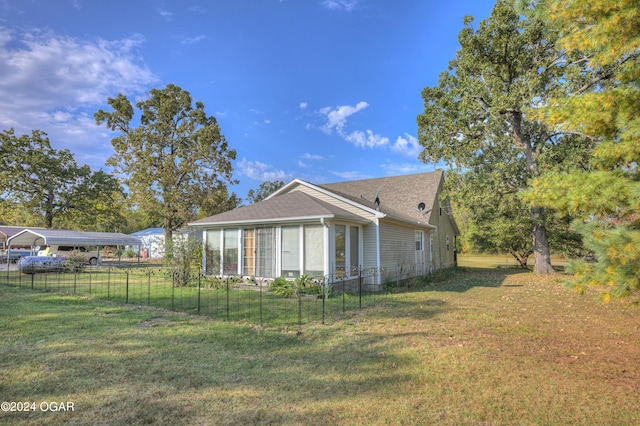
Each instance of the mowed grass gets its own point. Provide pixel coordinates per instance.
(487, 346)
(223, 300)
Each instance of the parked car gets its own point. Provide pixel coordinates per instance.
(37, 264)
(80, 253)
(13, 255)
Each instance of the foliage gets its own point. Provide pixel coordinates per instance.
(49, 189)
(475, 121)
(604, 102)
(283, 287)
(266, 188)
(303, 284)
(175, 162)
(186, 260)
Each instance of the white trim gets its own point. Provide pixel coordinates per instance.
(282, 220)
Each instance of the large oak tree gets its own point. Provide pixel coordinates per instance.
(175, 161)
(475, 120)
(43, 186)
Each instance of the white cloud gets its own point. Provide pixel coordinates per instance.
(337, 118)
(395, 168)
(303, 105)
(192, 40)
(407, 145)
(347, 5)
(366, 139)
(308, 156)
(55, 83)
(261, 171)
(351, 175)
(168, 16)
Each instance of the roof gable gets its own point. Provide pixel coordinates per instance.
(399, 196)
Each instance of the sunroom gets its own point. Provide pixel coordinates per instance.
(289, 235)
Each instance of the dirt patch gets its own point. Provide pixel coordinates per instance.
(152, 322)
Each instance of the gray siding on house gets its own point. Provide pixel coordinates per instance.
(443, 254)
(370, 246)
(397, 248)
(329, 199)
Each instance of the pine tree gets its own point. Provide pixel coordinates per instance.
(604, 36)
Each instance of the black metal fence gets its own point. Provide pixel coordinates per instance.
(231, 298)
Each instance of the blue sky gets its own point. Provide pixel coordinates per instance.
(321, 90)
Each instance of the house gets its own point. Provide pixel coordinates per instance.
(381, 228)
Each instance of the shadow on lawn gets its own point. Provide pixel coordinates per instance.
(466, 278)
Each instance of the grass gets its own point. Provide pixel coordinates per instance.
(152, 286)
(487, 346)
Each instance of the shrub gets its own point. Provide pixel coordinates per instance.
(283, 287)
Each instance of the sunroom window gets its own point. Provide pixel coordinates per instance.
(290, 251)
(230, 259)
(314, 250)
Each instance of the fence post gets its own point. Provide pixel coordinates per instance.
(227, 298)
(199, 278)
(173, 289)
(75, 278)
(126, 297)
(32, 275)
(299, 309)
(149, 288)
(109, 283)
(324, 295)
(344, 290)
(360, 287)
(261, 305)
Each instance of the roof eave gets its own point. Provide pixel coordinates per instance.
(294, 219)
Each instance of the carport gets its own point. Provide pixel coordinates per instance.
(7, 232)
(41, 237)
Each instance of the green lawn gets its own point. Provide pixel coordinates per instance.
(153, 286)
(486, 346)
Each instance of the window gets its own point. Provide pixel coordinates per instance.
(419, 242)
(447, 243)
(290, 251)
(347, 250)
(314, 250)
(265, 253)
(230, 259)
(249, 252)
(354, 250)
(212, 253)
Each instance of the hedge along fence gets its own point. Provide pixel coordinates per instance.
(232, 298)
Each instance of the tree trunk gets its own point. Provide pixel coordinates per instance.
(541, 252)
(168, 238)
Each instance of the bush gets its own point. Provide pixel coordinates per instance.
(283, 287)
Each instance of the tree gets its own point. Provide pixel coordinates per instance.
(264, 190)
(603, 102)
(173, 160)
(49, 184)
(475, 120)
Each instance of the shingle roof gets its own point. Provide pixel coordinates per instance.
(295, 205)
(399, 195)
